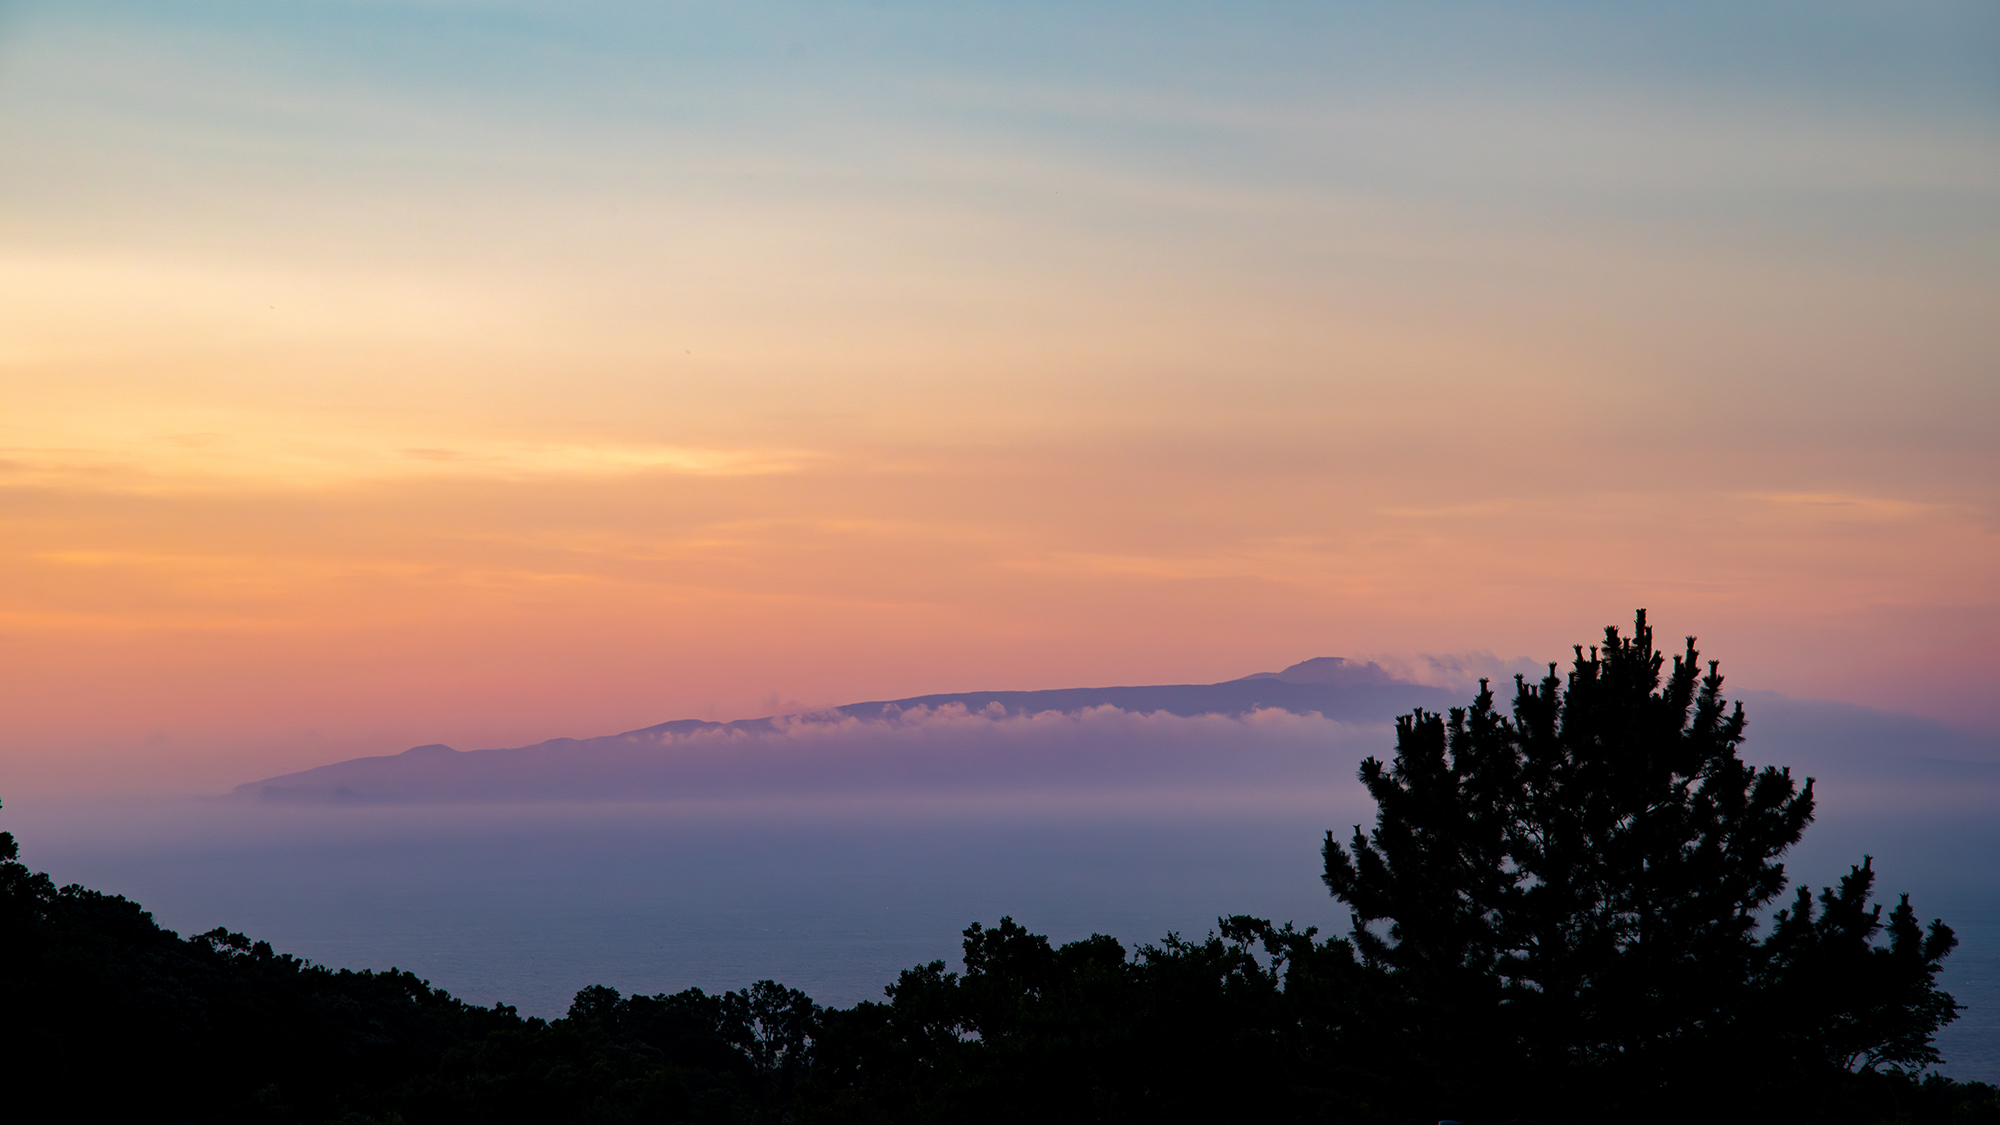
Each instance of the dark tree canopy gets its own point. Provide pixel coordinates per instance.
(1570, 896)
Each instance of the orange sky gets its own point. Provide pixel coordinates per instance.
(337, 417)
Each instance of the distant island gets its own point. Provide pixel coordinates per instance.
(694, 757)
(1075, 739)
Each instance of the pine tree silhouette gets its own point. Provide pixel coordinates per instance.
(1569, 897)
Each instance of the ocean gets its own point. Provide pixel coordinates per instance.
(528, 903)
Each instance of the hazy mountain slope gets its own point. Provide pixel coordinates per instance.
(1176, 734)
(1306, 727)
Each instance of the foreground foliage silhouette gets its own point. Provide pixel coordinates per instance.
(1556, 918)
(1572, 896)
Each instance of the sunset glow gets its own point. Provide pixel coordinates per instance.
(375, 374)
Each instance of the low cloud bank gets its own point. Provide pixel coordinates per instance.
(1304, 733)
(1870, 760)
(948, 749)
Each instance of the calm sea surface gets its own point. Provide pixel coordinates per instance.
(527, 904)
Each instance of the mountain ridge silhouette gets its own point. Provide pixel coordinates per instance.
(1207, 737)
(1330, 687)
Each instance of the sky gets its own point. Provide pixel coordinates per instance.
(378, 373)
